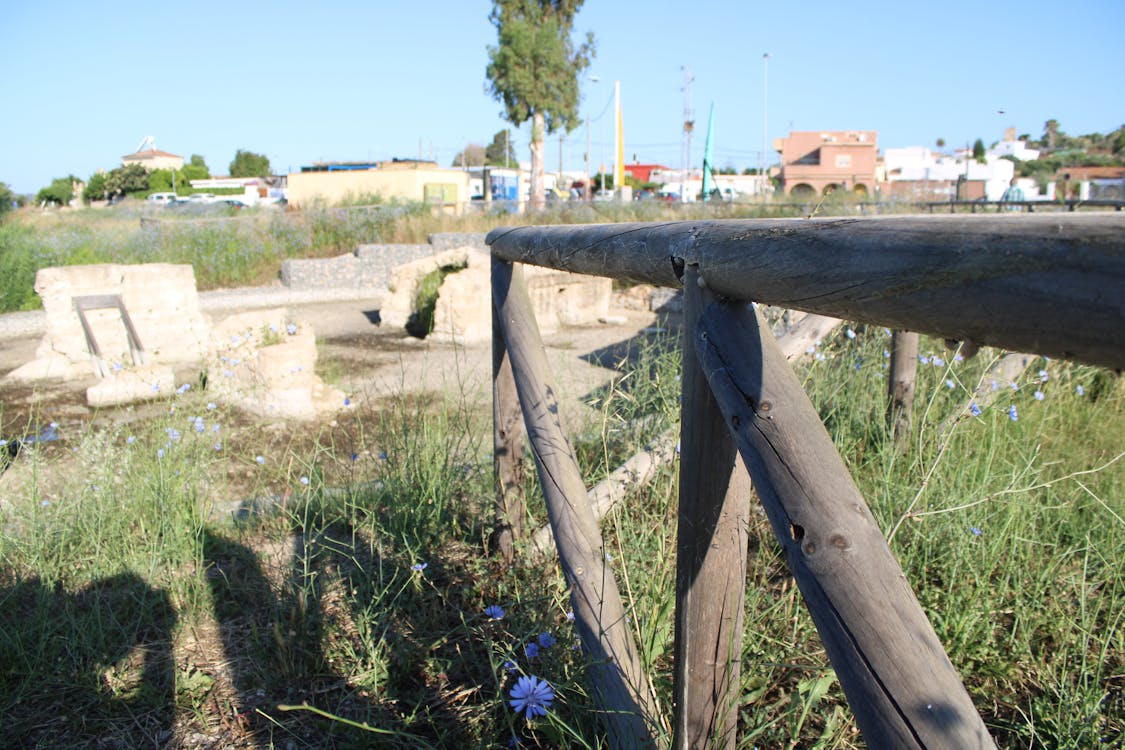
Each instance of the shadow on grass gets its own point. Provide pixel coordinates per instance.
(284, 639)
(90, 669)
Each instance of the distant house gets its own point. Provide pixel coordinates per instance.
(152, 159)
(819, 162)
(643, 172)
(405, 179)
(919, 174)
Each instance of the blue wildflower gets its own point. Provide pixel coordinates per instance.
(1039, 395)
(509, 666)
(291, 329)
(130, 440)
(546, 640)
(938, 362)
(495, 611)
(1043, 376)
(949, 383)
(160, 453)
(531, 650)
(259, 460)
(976, 531)
(850, 333)
(347, 402)
(1013, 414)
(211, 406)
(923, 359)
(974, 409)
(304, 480)
(183, 389)
(419, 567)
(1079, 390)
(532, 696)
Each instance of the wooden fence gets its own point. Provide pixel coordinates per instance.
(1054, 285)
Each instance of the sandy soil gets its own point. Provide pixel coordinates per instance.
(361, 358)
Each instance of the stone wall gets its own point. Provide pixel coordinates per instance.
(161, 301)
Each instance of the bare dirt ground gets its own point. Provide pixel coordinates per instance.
(360, 357)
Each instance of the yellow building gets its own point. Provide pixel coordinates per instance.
(152, 159)
(336, 182)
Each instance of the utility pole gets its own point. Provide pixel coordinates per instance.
(689, 125)
(765, 121)
(589, 193)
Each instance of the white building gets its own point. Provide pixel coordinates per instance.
(920, 164)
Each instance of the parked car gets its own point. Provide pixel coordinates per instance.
(161, 199)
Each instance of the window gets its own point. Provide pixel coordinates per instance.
(843, 160)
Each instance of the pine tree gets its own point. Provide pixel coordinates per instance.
(534, 69)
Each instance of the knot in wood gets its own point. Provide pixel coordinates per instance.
(765, 406)
(840, 542)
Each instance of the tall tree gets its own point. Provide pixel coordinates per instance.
(534, 70)
(978, 151)
(7, 198)
(1050, 132)
(471, 156)
(500, 153)
(249, 164)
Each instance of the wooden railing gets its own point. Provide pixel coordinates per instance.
(1054, 285)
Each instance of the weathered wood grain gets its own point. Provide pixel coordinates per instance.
(900, 385)
(712, 524)
(509, 439)
(1049, 284)
(622, 689)
(901, 686)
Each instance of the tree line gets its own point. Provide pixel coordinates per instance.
(134, 179)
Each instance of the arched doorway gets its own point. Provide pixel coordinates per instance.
(830, 188)
(802, 190)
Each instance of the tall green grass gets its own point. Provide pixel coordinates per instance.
(350, 609)
(230, 248)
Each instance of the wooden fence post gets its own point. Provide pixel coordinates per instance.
(509, 438)
(901, 686)
(620, 686)
(900, 385)
(710, 557)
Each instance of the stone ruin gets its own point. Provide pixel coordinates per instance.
(130, 326)
(463, 312)
(265, 364)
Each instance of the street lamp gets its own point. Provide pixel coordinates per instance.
(586, 188)
(765, 120)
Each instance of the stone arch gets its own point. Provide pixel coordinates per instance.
(802, 190)
(830, 188)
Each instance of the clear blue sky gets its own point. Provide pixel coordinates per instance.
(301, 82)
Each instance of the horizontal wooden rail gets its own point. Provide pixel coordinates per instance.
(1049, 284)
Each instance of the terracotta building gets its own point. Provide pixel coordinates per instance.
(818, 162)
(152, 159)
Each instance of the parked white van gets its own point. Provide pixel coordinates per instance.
(162, 199)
